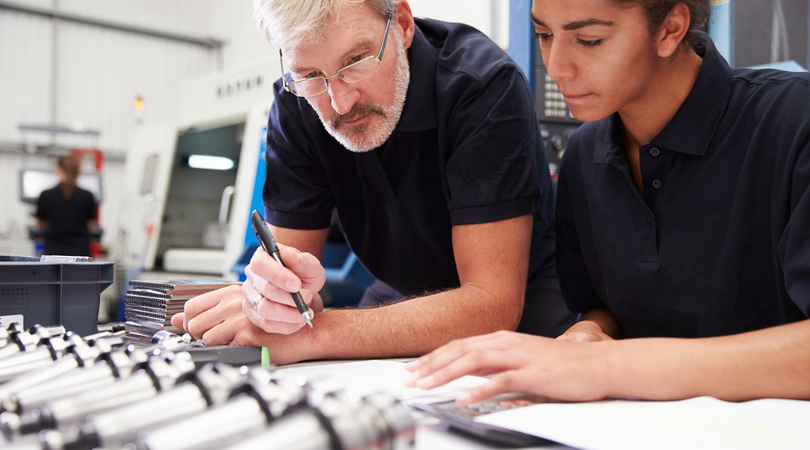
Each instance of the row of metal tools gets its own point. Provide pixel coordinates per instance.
(61, 391)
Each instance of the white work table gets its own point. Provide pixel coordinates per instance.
(624, 424)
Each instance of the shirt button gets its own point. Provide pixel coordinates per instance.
(654, 151)
(649, 219)
(657, 183)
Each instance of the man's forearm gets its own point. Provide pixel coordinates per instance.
(774, 362)
(409, 328)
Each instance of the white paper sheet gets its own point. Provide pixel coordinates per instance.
(364, 377)
(698, 423)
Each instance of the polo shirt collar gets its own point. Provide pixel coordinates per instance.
(419, 112)
(691, 129)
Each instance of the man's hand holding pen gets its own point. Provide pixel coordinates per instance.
(263, 304)
(275, 310)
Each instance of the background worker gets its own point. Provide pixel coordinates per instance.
(66, 212)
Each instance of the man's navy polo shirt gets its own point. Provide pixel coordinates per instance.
(466, 151)
(720, 241)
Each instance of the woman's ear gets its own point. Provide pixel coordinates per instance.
(672, 31)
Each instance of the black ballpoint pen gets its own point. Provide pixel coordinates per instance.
(269, 245)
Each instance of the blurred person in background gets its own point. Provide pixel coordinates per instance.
(66, 212)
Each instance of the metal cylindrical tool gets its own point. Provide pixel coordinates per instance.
(19, 342)
(109, 366)
(193, 394)
(113, 365)
(301, 430)
(49, 350)
(376, 422)
(81, 355)
(23, 341)
(262, 399)
(4, 335)
(145, 382)
(328, 420)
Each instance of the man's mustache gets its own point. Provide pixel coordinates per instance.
(356, 111)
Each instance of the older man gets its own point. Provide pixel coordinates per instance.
(423, 135)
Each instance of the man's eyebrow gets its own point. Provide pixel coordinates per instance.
(362, 43)
(296, 69)
(576, 25)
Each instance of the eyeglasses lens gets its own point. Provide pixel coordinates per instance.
(352, 73)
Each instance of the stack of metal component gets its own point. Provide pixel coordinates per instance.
(150, 305)
(97, 393)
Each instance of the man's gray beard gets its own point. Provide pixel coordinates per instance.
(361, 139)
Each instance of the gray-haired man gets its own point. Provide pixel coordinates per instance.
(423, 135)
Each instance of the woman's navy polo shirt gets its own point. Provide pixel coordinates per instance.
(720, 241)
(466, 150)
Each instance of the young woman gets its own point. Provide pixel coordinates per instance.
(683, 217)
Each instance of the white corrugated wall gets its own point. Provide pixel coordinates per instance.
(98, 71)
(92, 80)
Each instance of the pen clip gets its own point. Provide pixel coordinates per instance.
(259, 238)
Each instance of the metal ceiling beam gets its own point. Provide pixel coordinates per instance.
(58, 129)
(56, 14)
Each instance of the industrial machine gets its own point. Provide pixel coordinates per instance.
(193, 219)
(193, 182)
(557, 123)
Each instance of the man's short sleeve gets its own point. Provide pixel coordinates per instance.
(296, 190)
(794, 243)
(492, 173)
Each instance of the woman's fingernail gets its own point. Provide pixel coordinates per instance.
(412, 365)
(411, 379)
(292, 286)
(464, 398)
(425, 383)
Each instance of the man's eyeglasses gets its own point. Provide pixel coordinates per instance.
(354, 72)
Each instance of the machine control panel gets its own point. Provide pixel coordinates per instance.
(557, 124)
(554, 105)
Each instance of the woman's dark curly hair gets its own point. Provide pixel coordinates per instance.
(657, 10)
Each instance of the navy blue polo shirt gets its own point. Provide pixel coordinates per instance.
(67, 220)
(466, 151)
(720, 241)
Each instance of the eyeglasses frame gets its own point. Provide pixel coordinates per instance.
(378, 57)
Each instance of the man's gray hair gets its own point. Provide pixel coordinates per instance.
(287, 23)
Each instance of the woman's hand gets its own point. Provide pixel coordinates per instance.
(518, 363)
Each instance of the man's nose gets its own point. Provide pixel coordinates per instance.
(343, 95)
